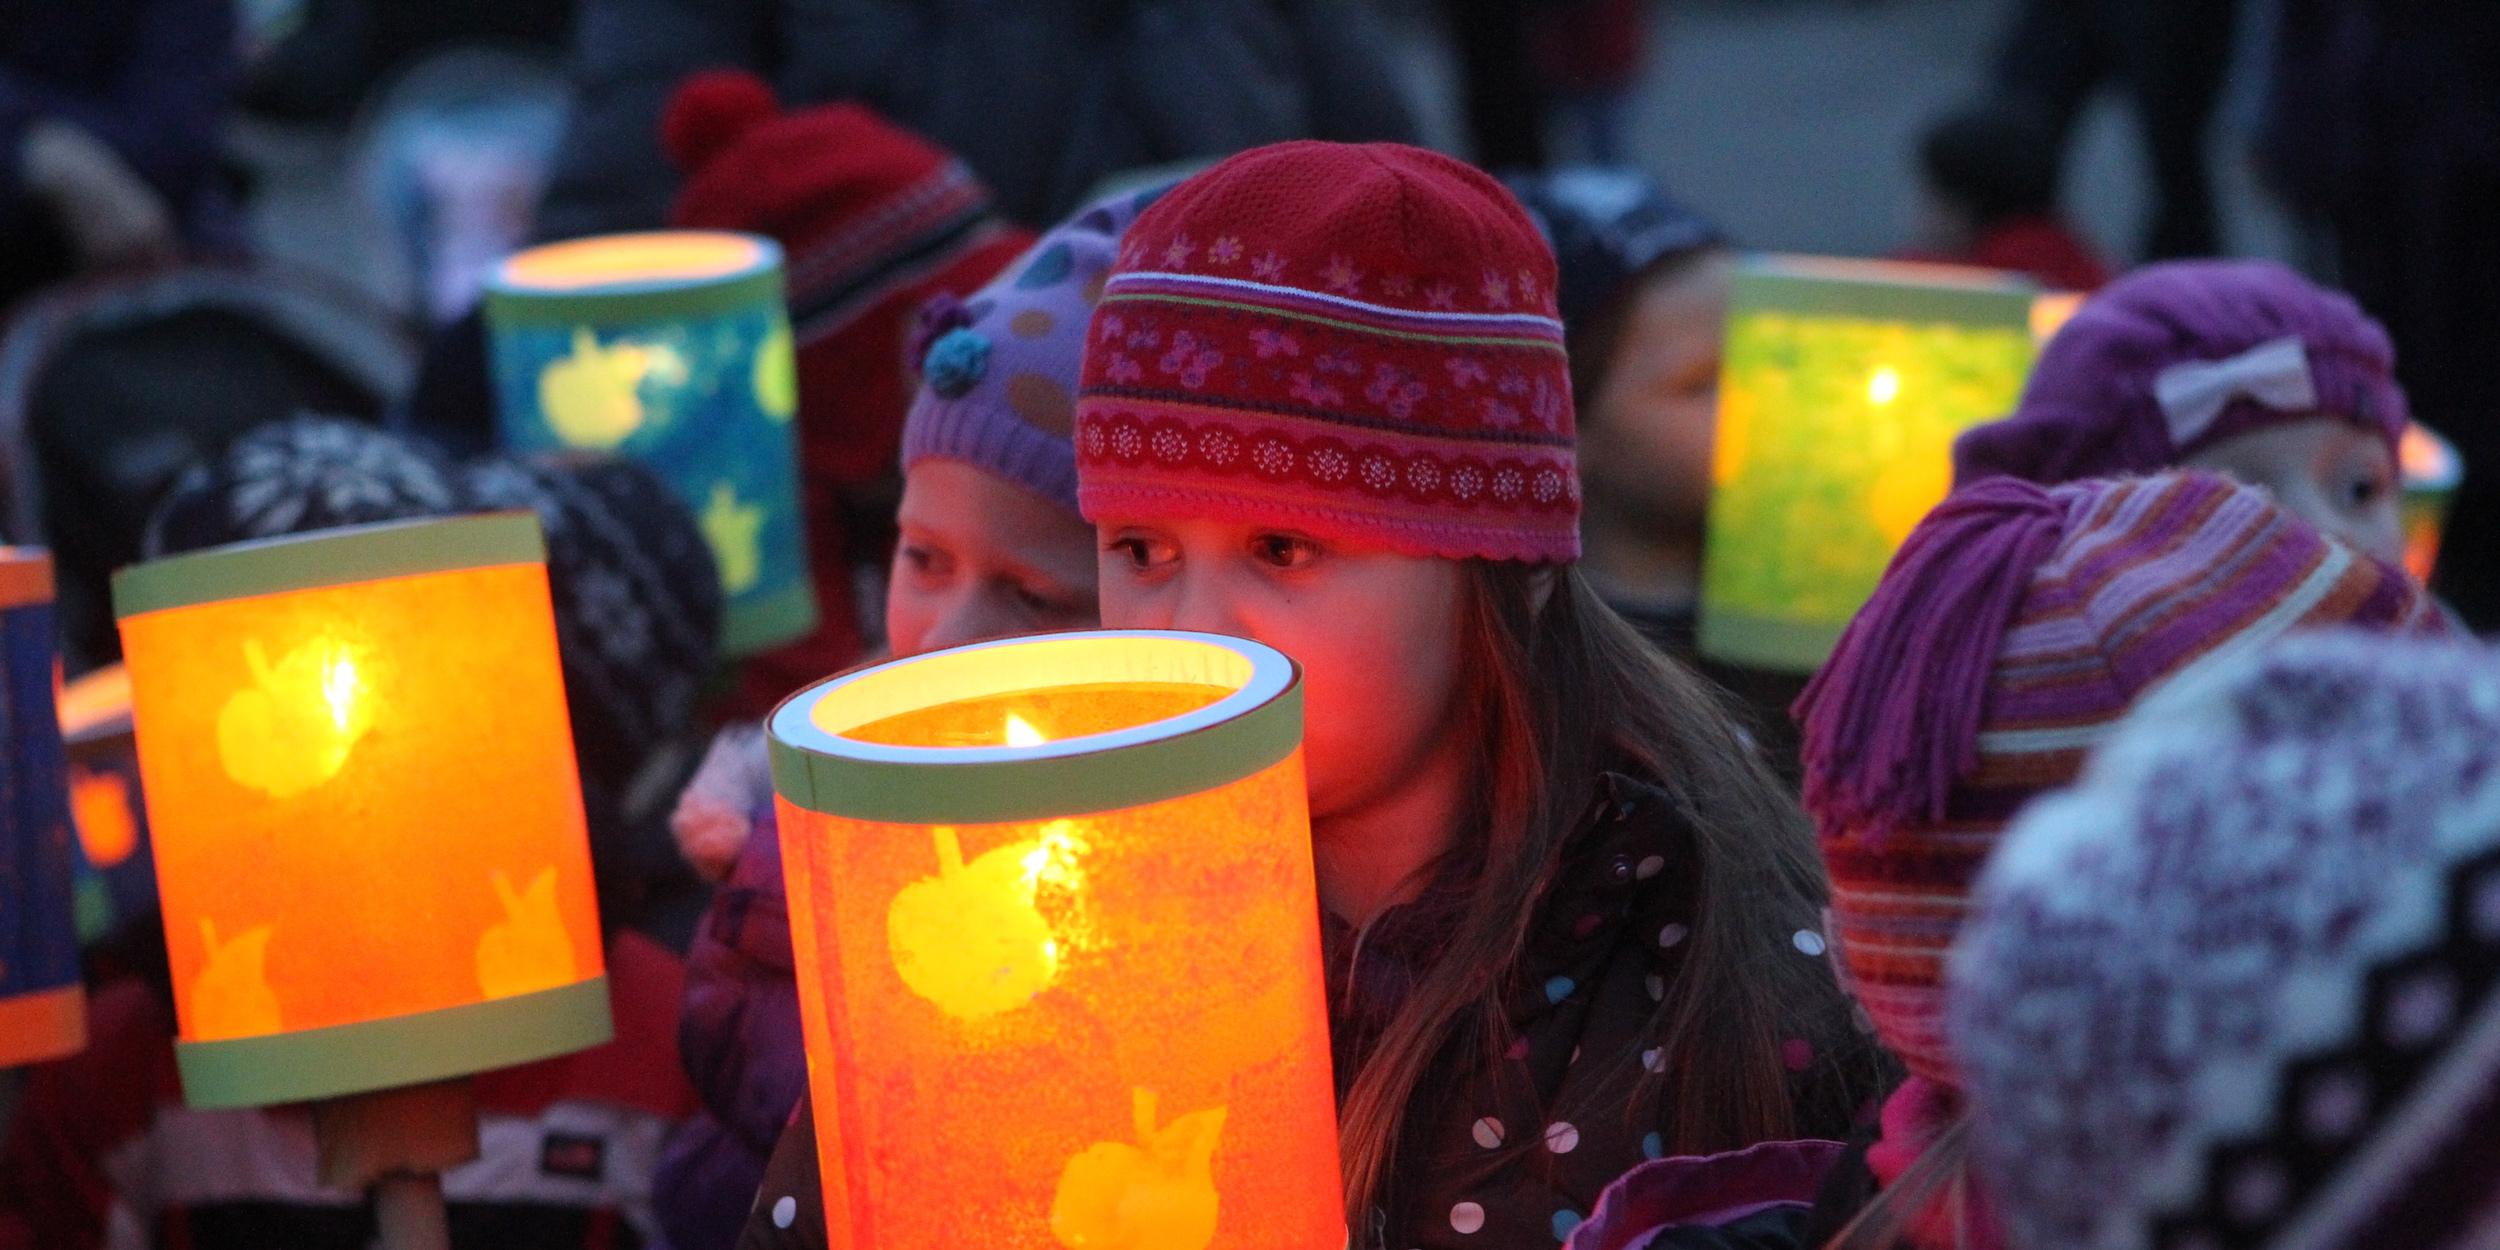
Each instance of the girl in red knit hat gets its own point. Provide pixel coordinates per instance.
(1571, 921)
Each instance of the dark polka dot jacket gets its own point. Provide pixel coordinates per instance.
(1489, 1164)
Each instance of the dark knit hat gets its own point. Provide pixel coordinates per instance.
(307, 472)
(2241, 986)
(1608, 225)
(637, 603)
(2176, 357)
(2015, 627)
(1362, 339)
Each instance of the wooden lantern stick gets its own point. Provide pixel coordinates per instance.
(396, 1143)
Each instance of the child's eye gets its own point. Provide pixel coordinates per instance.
(919, 560)
(1284, 551)
(1143, 554)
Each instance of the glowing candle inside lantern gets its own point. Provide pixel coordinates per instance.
(1011, 867)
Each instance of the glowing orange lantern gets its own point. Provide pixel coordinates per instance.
(366, 823)
(1058, 947)
(43, 1008)
(2431, 471)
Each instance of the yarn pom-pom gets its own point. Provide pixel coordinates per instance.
(956, 362)
(709, 111)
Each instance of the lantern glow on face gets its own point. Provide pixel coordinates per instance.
(362, 801)
(1069, 875)
(1844, 386)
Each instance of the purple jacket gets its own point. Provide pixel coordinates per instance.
(739, 1036)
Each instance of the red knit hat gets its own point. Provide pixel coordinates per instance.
(875, 222)
(1360, 340)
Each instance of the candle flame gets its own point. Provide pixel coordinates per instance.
(1021, 733)
(1885, 386)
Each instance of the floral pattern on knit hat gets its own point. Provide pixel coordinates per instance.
(2016, 625)
(2241, 985)
(1360, 339)
(2176, 357)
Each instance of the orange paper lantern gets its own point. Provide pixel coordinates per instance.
(367, 826)
(1058, 947)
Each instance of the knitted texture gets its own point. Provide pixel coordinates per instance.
(2241, 986)
(2092, 409)
(999, 373)
(2016, 625)
(874, 222)
(1357, 341)
(307, 472)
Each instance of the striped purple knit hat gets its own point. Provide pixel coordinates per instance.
(2176, 357)
(2241, 986)
(2013, 628)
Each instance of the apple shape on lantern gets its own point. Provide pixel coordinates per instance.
(776, 375)
(293, 727)
(528, 949)
(592, 397)
(230, 996)
(1158, 1194)
(970, 939)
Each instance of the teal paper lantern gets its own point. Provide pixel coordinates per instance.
(43, 1008)
(672, 348)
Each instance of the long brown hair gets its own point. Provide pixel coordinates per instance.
(1559, 690)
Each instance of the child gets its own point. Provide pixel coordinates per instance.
(1567, 915)
(2293, 869)
(2240, 367)
(1988, 196)
(875, 221)
(991, 545)
(1643, 296)
(2014, 627)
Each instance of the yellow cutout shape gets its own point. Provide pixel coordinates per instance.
(777, 375)
(1907, 491)
(592, 397)
(731, 528)
(1158, 1194)
(528, 950)
(293, 727)
(971, 939)
(231, 996)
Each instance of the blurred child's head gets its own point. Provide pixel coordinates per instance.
(1644, 289)
(2015, 627)
(2238, 985)
(2241, 367)
(1326, 405)
(991, 540)
(1980, 166)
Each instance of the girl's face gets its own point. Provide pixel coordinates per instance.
(2325, 470)
(980, 557)
(1376, 634)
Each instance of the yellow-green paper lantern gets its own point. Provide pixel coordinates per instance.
(1844, 386)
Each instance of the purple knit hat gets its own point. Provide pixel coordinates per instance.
(2241, 987)
(2016, 625)
(998, 372)
(2176, 357)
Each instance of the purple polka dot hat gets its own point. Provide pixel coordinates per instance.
(998, 371)
(2241, 986)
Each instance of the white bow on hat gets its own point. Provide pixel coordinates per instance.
(2274, 373)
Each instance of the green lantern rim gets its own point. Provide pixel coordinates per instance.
(513, 301)
(398, 1050)
(1255, 725)
(339, 557)
(1882, 290)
